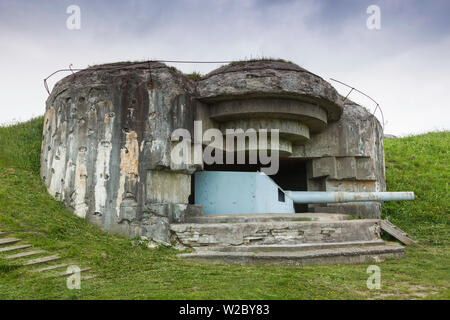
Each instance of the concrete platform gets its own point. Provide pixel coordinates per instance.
(351, 255)
(24, 254)
(13, 248)
(243, 218)
(8, 241)
(270, 233)
(300, 239)
(290, 247)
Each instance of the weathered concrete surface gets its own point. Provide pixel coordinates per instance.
(347, 156)
(196, 235)
(357, 134)
(105, 130)
(291, 247)
(269, 95)
(351, 255)
(9, 241)
(13, 248)
(274, 108)
(238, 218)
(291, 130)
(254, 79)
(24, 254)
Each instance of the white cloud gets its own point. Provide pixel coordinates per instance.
(405, 73)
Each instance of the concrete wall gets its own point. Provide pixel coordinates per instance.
(106, 141)
(347, 156)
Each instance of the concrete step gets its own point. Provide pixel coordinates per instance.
(290, 247)
(24, 254)
(42, 260)
(12, 248)
(9, 241)
(243, 218)
(54, 267)
(65, 273)
(271, 233)
(347, 255)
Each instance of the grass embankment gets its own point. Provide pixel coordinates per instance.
(125, 271)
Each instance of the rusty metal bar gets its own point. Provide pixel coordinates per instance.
(377, 106)
(337, 197)
(126, 66)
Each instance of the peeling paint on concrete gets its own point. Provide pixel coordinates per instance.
(129, 166)
(102, 166)
(103, 131)
(81, 183)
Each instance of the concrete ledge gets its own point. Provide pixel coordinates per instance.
(292, 130)
(243, 218)
(293, 247)
(283, 109)
(269, 79)
(352, 255)
(232, 234)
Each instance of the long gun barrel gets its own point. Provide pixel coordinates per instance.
(336, 197)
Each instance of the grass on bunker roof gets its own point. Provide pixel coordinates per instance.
(127, 271)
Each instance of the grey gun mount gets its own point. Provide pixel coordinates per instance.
(337, 197)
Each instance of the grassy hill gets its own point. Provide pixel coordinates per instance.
(127, 270)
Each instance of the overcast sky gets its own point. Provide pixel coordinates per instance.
(405, 65)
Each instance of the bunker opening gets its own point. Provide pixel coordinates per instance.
(291, 175)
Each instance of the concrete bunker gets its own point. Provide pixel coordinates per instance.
(106, 150)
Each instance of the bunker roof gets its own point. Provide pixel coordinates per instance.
(269, 79)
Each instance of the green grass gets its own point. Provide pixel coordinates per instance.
(261, 58)
(127, 271)
(420, 164)
(194, 75)
(21, 145)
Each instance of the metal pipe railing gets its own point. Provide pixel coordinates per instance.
(337, 197)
